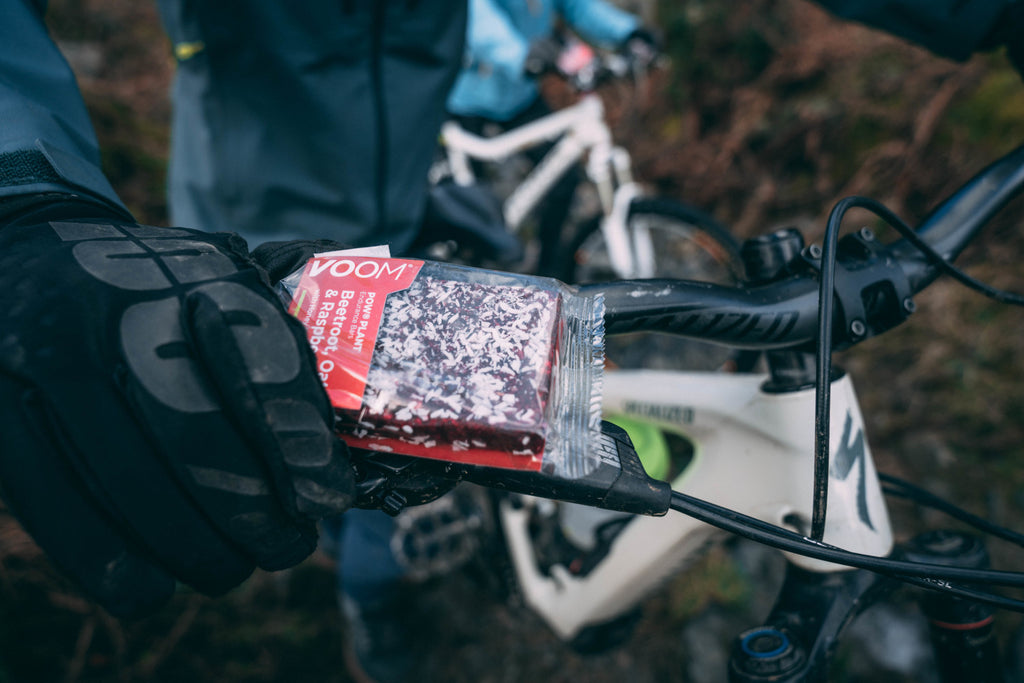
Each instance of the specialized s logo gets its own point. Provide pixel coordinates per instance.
(849, 454)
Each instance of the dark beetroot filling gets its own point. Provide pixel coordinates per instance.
(460, 365)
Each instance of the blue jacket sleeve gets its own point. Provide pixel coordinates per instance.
(598, 22)
(492, 40)
(951, 28)
(47, 143)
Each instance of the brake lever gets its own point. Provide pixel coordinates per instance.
(391, 482)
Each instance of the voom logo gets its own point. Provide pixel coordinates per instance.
(363, 268)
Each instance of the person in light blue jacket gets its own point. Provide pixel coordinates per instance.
(498, 79)
(509, 46)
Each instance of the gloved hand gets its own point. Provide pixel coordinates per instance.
(161, 416)
(542, 57)
(641, 49)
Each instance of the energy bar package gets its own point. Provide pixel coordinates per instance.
(459, 364)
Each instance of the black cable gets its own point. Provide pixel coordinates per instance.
(934, 257)
(826, 303)
(994, 599)
(930, 576)
(899, 487)
(790, 541)
(823, 371)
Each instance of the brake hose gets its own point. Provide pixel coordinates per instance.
(824, 338)
(907, 571)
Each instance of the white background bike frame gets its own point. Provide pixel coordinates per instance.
(736, 427)
(581, 131)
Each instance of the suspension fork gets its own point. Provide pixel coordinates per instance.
(796, 641)
(630, 252)
(962, 632)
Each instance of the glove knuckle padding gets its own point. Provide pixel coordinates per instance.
(192, 415)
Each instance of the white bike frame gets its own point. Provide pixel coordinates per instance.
(753, 454)
(581, 131)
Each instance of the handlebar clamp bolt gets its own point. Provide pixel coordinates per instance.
(857, 328)
(867, 235)
(908, 305)
(813, 252)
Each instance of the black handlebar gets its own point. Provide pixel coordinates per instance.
(873, 283)
(769, 317)
(951, 226)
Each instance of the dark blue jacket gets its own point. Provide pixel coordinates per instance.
(309, 118)
(46, 140)
(293, 118)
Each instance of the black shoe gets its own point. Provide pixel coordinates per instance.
(380, 646)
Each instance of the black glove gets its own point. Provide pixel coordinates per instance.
(641, 49)
(542, 57)
(161, 416)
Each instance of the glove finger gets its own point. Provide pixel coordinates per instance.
(281, 259)
(287, 409)
(257, 355)
(208, 457)
(51, 504)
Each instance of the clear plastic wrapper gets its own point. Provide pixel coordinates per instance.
(454, 363)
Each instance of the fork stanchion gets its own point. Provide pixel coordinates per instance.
(962, 632)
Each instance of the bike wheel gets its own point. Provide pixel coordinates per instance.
(686, 244)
